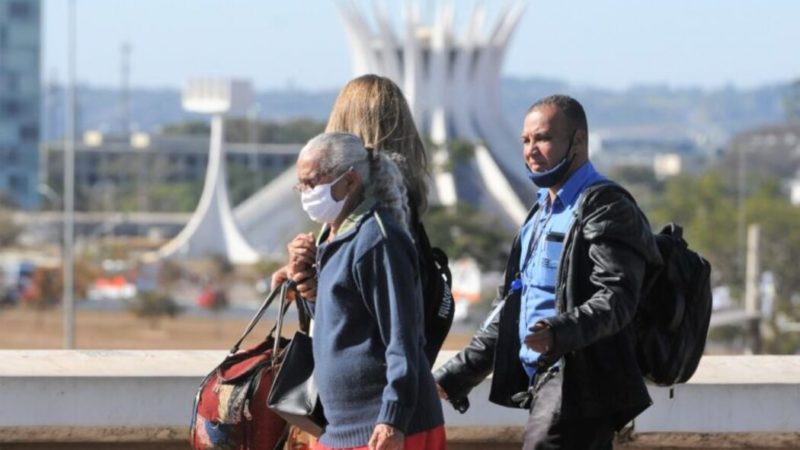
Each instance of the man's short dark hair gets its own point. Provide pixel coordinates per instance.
(570, 107)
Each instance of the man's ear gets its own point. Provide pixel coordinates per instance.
(581, 139)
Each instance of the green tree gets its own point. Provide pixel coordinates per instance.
(465, 230)
(461, 152)
(153, 306)
(190, 128)
(779, 251)
(244, 130)
(243, 181)
(164, 197)
(706, 207)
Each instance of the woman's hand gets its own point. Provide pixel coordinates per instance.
(306, 281)
(302, 252)
(386, 437)
(280, 276)
(302, 258)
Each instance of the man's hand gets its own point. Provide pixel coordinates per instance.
(541, 340)
(386, 437)
(441, 392)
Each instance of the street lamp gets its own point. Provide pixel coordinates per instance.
(69, 189)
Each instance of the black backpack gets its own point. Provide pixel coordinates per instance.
(437, 298)
(674, 312)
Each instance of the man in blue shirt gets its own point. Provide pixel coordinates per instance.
(556, 153)
(543, 237)
(558, 339)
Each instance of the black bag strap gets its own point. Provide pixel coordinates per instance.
(304, 313)
(279, 323)
(254, 321)
(283, 290)
(302, 317)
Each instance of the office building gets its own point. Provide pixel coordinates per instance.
(20, 46)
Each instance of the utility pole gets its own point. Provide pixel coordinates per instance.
(68, 254)
(125, 78)
(741, 232)
(752, 300)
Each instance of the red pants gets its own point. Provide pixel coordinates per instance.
(434, 439)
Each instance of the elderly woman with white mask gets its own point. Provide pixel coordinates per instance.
(373, 378)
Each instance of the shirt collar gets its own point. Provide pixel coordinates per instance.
(571, 189)
(352, 219)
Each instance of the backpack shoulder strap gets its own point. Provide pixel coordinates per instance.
(438, 255)
(594, 189)
(421, 235)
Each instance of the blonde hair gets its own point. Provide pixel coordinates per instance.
(374, 109)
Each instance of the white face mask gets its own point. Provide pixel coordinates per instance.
(319, 203)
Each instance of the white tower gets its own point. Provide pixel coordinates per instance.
(452, 84)
(212, 229)
(453, 87)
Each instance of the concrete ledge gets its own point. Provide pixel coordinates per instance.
(143, 399)
(729, 394)
(108, 363)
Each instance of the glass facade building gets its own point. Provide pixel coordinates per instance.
(20, 47)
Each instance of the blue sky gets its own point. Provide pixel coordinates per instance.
(275, 43)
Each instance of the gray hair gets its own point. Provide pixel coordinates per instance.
(379, 170)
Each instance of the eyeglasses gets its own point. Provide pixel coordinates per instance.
(306, 186)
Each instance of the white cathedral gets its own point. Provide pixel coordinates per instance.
(452, 83)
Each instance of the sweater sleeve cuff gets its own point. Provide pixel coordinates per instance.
(396, 415)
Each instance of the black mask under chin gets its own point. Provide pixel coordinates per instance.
(551, 177)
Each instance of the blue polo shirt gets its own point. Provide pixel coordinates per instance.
(542, 239)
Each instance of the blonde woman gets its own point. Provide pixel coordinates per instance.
(374, 109)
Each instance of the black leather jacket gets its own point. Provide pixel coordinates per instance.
(606, 253)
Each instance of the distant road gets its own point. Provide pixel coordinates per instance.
(46, 225)
(88, 218)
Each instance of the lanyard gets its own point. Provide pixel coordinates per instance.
(536, 235)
